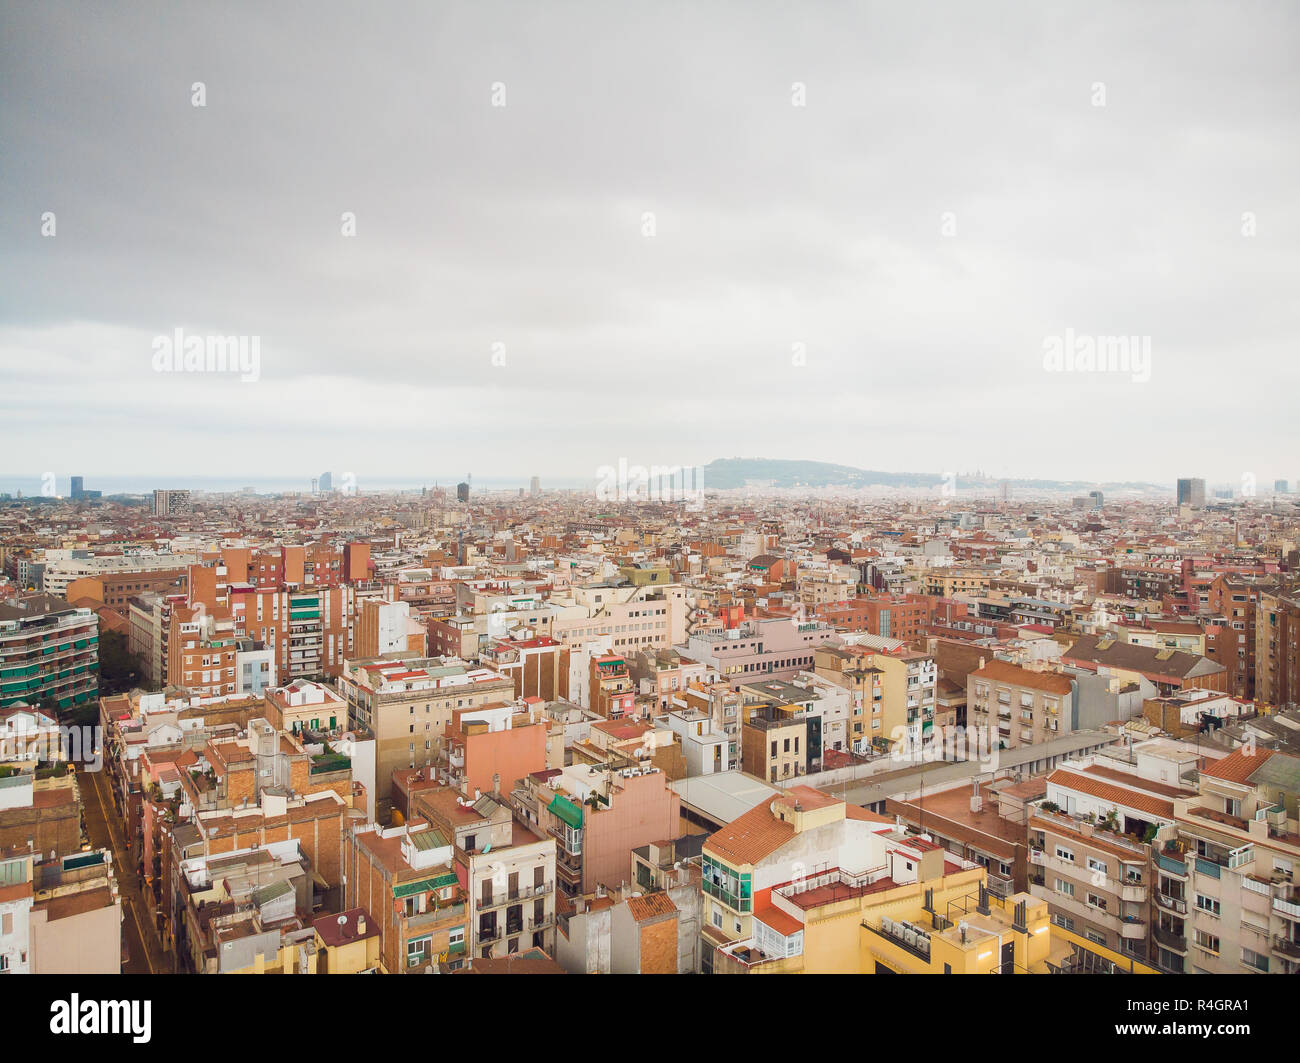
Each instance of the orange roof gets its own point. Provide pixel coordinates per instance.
(1238, 766)
(1006, 672)
(650, 906)
(808, 798)
(1120, 795)
(854, 812)
(783, 924)
(750, 838)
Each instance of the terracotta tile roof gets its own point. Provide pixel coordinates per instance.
(1006, 672)
(854, 812)
(1136, 781)
(750, 838)
(1238, 766)
(1120, 795)
(651, 906)
(783, 924)
(808, 798)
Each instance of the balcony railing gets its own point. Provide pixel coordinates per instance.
(1287, 947)
(1168, 939)
(1172, 864)
(1173, 904)
(1286, 909)
(1207, 867)
(519, 893)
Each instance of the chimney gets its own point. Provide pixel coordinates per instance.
(361, 924)
(496, 783)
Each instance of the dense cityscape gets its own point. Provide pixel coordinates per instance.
(731, 732)
(670, 489)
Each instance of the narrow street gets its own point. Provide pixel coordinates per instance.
(144, 949)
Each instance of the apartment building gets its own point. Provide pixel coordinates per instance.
(407, 875)
(1188, 712)
(633, 617)
(1089, 847)
(121, 575)
(629, 931)
(867, 725)
(539, 668)
(1228, 897)
(660, 673)
(983, 822)
(60, 916)
(116, 589)
(349, 943)
(247, 912)
(1169, 670)
(303, 706)
(507, 869)
(948, 582)
(493, 745)
(722, 705)
(149, 634)
(406, 702)
(704, 747)
(598, 815)
(610, 687)
(774, 744)
(1237, 598)
(49, 652)
(898, 616)
(388, 627)
(1277, 649)
(777, 648)
(1017, 706)
(805, 883)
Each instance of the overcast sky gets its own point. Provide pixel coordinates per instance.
(961, 183)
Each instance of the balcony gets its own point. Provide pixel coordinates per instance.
(1287, 947)
(1133, 929)
(488, 934)
(1286, 909)
(519, 893)
(1134, 892)
(1208, 867)
(1168, 939)
(451, 913)
(1170, 904)
(1000, 885)
(1172, 865)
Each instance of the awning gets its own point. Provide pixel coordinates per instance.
(566, 810)
(425, 885)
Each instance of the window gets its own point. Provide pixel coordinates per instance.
(1208, 905)
(1064, 887)
(1065, 854)
(1097, 901)
(1255, 959)
(1094, 936)
(1207, 941)
(417, 952)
